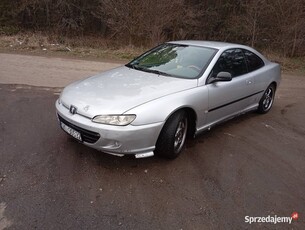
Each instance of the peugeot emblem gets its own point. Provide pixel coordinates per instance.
(73, 109)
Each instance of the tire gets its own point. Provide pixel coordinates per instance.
(173, 135)
(267, 100)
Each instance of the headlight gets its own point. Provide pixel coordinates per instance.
(114, 119)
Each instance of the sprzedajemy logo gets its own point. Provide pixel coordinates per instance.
(271, 219)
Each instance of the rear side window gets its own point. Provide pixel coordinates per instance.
(254, 62)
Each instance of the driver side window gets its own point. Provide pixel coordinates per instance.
(232, 61)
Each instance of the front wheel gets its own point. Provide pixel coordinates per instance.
(267, 99)
(172, 137)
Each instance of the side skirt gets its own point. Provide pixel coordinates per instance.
(207, 127)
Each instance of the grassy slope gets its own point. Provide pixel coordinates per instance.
(98, 49)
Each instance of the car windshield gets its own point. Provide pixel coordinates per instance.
(182, 61)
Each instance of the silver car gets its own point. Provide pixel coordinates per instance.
(173, 91)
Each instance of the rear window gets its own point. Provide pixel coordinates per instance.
(254, 62)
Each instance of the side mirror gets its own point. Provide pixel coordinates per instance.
(222, 76)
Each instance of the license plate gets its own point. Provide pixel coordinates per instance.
(71, 131)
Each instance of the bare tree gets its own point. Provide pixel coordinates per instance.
(136, 21)
(285, 23)
(275, 24)
(253, 9)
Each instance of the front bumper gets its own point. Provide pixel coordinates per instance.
(117, 140)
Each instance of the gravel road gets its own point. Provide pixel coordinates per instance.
(253, 165)
(47, 71)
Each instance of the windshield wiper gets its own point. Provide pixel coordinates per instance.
(137, 67)
(157, 72)
(130, 65)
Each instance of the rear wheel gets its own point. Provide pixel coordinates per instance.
(172, 137)
(266, 101)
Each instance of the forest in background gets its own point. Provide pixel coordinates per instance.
(269, 25)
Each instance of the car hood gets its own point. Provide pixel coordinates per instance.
(119, 90)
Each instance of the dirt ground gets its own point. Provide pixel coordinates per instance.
(47, 71)
(253, 165)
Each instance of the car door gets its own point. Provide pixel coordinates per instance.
(227, 98)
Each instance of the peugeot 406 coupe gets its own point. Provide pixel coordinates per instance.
(173, 91)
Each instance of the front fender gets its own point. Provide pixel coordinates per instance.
(160, 109)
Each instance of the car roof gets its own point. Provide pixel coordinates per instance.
(209, 44)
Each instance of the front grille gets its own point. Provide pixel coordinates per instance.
(87, 136)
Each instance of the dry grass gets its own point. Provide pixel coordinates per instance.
(294, 65)
(91, 47)
(102, 49)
